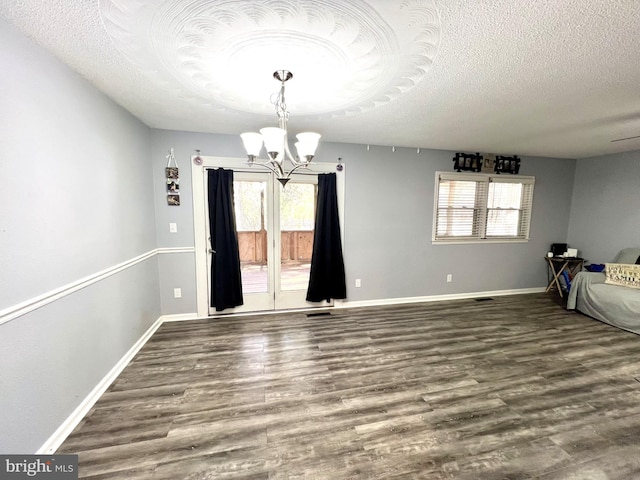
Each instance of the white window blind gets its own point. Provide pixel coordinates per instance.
(477, 207)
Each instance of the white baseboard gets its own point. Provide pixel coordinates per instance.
(64, 430)
(438, 298)
(180, 317)
(364, 303)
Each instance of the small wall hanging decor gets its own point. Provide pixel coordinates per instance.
(173, 180)
(506, 164)
(197, 160)
(468, 162)
(489, 163)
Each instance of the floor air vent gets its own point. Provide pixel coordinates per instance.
(319, 314)
(483, 299)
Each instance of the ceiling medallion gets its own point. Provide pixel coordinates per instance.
(348, 56)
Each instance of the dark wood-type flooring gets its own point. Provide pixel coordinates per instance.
(510, 388)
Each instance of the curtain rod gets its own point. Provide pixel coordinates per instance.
(241, 170)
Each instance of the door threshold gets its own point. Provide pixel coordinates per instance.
(274, 312)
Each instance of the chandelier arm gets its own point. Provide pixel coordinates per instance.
(298, 165)
(268, 165)
(290, 156)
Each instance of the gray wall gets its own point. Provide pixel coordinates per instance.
(605, 208)
(388, 217)
(78, 199)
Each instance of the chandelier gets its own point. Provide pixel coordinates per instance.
(275, 139)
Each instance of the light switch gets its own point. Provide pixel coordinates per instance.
(173, 228)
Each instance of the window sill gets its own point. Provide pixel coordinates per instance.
(479, 241)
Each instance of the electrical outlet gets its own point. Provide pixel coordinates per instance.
(358, 283)
(449, 278)
(177, 293)
(173, 228)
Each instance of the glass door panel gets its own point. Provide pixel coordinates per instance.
(295, 222)
(251, 222)
(297, 218)
(253, 196)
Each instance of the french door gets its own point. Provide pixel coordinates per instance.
(275, 236)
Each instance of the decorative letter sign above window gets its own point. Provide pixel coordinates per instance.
(470, 162)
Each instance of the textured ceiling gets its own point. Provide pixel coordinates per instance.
(556, 78)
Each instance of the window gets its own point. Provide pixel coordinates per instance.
(477, 207)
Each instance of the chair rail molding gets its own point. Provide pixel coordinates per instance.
(15, 311)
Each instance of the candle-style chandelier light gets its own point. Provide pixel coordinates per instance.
(275, 139)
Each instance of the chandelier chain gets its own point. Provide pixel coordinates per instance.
(281, 105)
